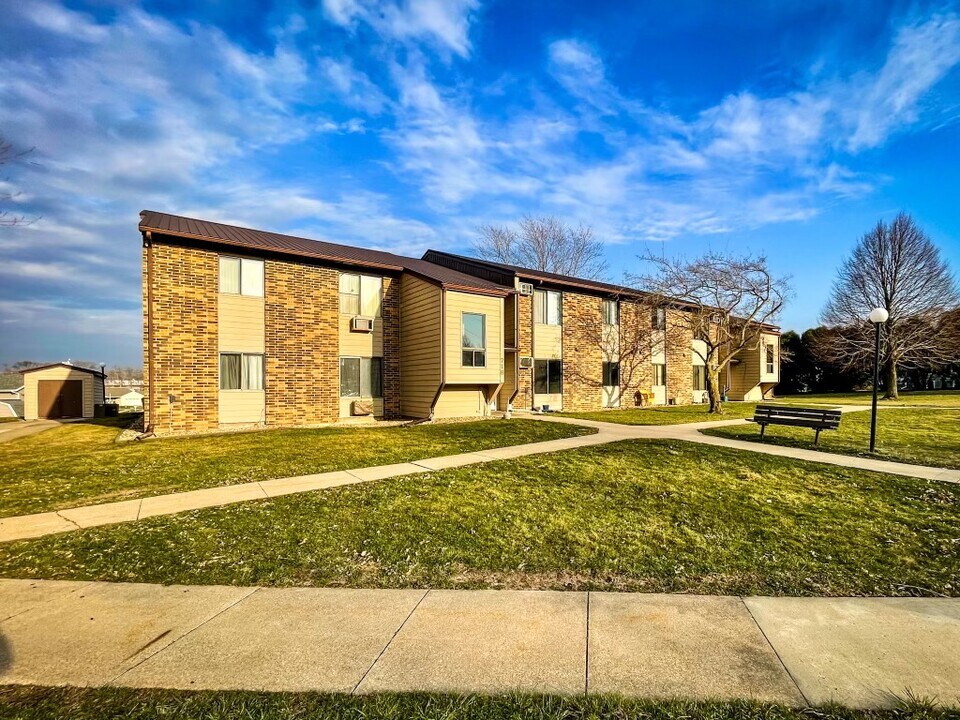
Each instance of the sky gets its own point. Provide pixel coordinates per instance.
(786, 129)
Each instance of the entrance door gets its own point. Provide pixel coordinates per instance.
(60, 398)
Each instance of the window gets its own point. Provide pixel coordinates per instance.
(474, 332)
(611, 312)
(241, 371)
(241, 276)
(611, 374)
(699, 377)
(360, 295)
(659, 374)
(361, 377)
(658, 318)
(547, 376)
(771, 358)
(547, 307)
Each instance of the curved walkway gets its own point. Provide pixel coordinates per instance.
(32, 526)
(860, 652)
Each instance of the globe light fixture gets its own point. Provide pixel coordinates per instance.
(878, 316)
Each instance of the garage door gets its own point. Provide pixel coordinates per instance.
(60, 398)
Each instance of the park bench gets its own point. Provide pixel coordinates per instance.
(815, 418)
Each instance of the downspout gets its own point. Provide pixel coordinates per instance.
(148, 244)
(443, 347)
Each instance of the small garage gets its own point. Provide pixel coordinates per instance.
(61, 390)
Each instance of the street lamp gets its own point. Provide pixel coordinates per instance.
(878, 316)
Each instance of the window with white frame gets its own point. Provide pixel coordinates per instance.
(361, 294)
(547, 307)
(241, 371)
(771, 358)
(611, 312)
(659, 374)
(361, 377)
(474, 340)
(241, 276)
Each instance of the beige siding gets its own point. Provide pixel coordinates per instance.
(240, 323)
(547, 341)
(241, 406)
(748, 378)
(420, 333)
(92, 388)
(457, 304)
(360, 344)
(462, 401)
(554, 400)
(509, 380)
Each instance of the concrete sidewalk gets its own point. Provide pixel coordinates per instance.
(24, 527)
(862, 652)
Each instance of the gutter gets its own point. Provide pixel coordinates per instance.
(148, 244)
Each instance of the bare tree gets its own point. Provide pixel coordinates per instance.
(727, 302)
(896, 267)
(544, 243)
(9, 155)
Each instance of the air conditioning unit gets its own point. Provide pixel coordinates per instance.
(526, 288)
(361, 324)
(526, 363)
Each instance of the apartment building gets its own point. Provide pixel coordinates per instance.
(248, 327)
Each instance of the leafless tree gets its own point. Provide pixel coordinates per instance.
(544, 243)
(896, 267)
(727, 302)
(9, 155)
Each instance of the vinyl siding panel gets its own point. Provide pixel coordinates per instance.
(420, 338)
(749, 379)
(241, 406)
(240, 323)
(360, 344)
(462, 401)
(547, 341)
(457, 304)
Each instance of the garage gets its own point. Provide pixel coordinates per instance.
(61, 391)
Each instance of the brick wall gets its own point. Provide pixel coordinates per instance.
(302, 343)
(582, 353)
(391, 347)
(185, 339)
(524, 399)
(636, 368)
(679, 358)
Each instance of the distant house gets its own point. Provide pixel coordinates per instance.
(11, 402)
(11, 393)
(125, 397)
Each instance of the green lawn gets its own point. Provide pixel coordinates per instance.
(33, 703)
(666, 414)
(934, 398)
(920, 436)
(663, 516)
(81, 463)
(9, 419)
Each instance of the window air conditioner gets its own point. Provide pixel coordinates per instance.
(361, 324)
(526, 288)
(526, 363)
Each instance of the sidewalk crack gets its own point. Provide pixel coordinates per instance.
(61, 516)
(389, 642)
(772, 647)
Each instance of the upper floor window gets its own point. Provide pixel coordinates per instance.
(611, 312)
(771, 358)
(658, 318)
(241, 276)
(474, 340)
(547, 307)
(361, 295)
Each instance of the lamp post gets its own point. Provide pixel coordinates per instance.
(878, 316)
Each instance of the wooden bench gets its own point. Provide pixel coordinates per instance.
(815, 418)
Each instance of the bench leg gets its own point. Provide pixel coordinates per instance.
(816, 439)
(763, 426)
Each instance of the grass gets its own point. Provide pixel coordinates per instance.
(663, 516)
(9, 419)
(919, 436)
(32, 703)
(926, 398)
(81, 463)
(666, 415)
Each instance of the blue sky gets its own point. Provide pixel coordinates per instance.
(784, 128)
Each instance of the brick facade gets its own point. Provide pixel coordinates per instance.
(582, 352)
(679, 359)
(636, 368)
(185, 372)
(302, 343)
(391, 348)
(524, 399)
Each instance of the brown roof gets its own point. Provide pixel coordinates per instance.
(265, 241)
(69, 365)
